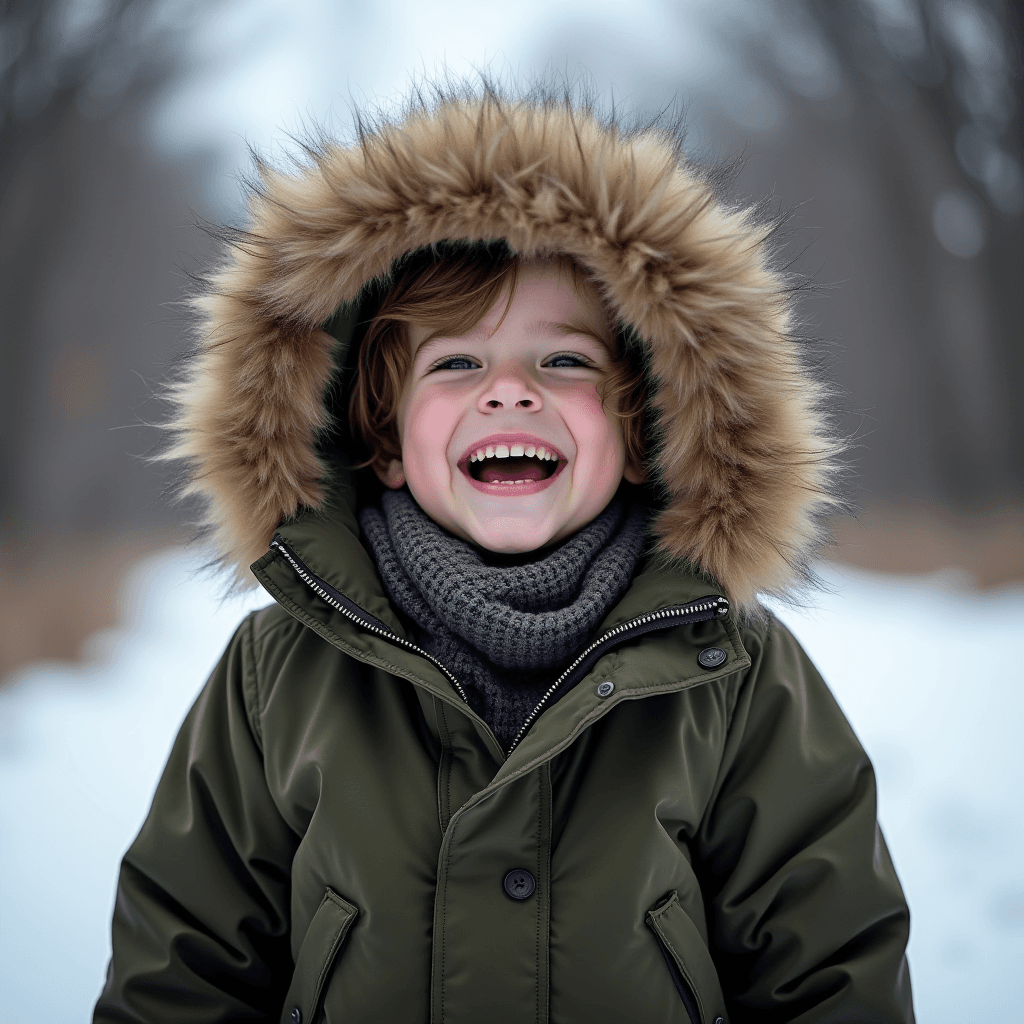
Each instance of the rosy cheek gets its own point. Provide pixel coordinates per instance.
(433, 423)
(592, 426)
(427, 430)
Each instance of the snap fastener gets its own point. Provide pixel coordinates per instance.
(296, 1015)
(605, 689)
(719, 1020)
(711, 657)
(519, 884)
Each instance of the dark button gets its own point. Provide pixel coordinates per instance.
(519, 884)
(711, 657)
(719, 1020)
(605, 689)
(296, 1015)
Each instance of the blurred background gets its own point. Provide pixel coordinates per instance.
(890, 130)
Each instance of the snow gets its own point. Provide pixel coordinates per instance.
(930, 676)
(927, 671)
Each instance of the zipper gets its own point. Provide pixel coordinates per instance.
(350, 610)
(701, 610)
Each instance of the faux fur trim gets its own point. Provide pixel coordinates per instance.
(745, 457)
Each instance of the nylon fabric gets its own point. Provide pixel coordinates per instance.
(313, 760)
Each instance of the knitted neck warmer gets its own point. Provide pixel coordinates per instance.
(502, 630)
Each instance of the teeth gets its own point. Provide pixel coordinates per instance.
(516, 451)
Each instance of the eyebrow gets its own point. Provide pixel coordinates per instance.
(567, 328)
(429, 340)
(575, 327)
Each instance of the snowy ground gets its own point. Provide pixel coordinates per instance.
(928, 673)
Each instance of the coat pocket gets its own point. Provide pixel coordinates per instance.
(324, 939)
(689, 962)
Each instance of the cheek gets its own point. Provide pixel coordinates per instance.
(597, 433)
(427, 426)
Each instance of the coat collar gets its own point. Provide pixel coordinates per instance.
(328, 544)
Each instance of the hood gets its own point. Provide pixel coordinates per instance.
(743, 458)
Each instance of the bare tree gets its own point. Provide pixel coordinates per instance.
(920, 100)
(76, 81)
(90, 219)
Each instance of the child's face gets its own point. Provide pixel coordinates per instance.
(521, 389)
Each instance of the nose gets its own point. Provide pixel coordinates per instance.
(509, 389)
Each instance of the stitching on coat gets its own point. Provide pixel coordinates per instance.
(444, 915)
(448, 785)
(447, 757)
(545, 802)
(253, 715)
(448, 766)
(540, 879)
(682, 968)
(328, 962)
(258, 644)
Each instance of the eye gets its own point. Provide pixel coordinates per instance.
(569, 360)
(456, 363)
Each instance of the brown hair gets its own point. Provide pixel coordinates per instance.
(451, 293)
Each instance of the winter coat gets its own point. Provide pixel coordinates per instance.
(687, 831)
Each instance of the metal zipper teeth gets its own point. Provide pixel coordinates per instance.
(719, 605)
(311, 581)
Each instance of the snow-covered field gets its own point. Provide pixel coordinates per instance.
(929, 674)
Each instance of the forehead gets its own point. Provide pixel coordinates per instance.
(555, 283)
(550, 299)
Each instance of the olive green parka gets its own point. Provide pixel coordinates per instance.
(687, 830)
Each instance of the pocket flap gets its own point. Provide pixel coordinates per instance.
(681, 941)
(324, 938)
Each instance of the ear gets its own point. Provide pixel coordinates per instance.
(392, 475)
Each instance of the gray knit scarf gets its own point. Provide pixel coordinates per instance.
(503, 626)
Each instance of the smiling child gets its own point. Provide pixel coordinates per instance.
(522, 385)
(503, 406)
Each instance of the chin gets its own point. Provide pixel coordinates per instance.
(503, 540)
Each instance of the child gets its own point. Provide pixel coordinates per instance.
(503, 406)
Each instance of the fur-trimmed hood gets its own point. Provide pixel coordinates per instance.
(744, 457)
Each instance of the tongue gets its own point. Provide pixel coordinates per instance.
(499, 470)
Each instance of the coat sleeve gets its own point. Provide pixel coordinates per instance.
(201, 918)
(806, 917)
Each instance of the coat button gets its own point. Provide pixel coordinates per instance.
(719, 1020)
(711, 657)
(605, 689)
(519, 884)
(296, 1015)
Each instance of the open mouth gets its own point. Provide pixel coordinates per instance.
(513, 464)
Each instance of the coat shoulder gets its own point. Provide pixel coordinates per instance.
(266, 622)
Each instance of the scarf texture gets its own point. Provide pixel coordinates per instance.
(503, 630)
